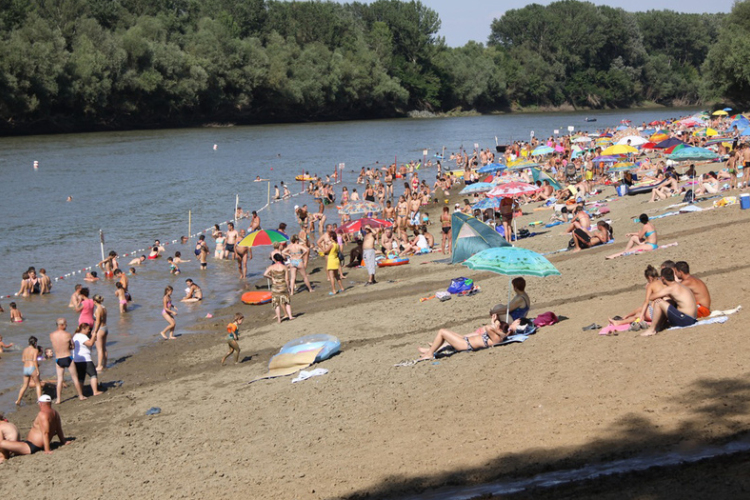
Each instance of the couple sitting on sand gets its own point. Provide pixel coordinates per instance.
(489, 335)
(583, 237)
(674, 298)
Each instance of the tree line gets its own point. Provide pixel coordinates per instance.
(76, 65)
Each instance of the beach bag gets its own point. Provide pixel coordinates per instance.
(459, 285)
(545, 319)
(689, 197)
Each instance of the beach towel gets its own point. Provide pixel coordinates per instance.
(709, 321)
(638, 252)
(609, 329)
(282, 365)
(304, 375)
(727, 312)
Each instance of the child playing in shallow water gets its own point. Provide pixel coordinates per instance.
(15, 314)
(173, 269)
(233, 336)
(121, 297)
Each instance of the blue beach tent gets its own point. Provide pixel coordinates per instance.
(470, 236)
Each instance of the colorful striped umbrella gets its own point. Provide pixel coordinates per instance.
(263, 237)
(360, 207)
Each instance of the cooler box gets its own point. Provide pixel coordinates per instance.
(744, 201)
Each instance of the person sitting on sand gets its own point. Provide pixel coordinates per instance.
(669, 188)
(709, 184)
(483, 337)
(47, 425)
(645, 311)
(193, 292)
(698, 287)
(681, 310)
(584, 239)
(519, 305)
(581, 220)
(643, 241)
(8, 432)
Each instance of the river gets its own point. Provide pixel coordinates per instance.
(140, 186)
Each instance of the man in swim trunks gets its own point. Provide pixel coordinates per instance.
(62, 343)
(242, 255)
(368, 254)
(665, 313)
(232, 236)
(414, 205)
(254, 223)
(47, 425)
(698, 287)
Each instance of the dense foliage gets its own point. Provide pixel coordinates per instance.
(106, 64)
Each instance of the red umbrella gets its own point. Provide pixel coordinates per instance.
(358, 225)
(512, 189)
(649, 145)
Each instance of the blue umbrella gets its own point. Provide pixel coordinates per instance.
(486, 203)
(727, 109)
(491, 168)
(542, 150)
(745, 132)
(477, 187)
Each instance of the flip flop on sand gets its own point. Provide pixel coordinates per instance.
(592, 326)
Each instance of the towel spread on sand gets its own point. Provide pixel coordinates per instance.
(609, 329)
(709, 321)
(286, 364)
(304, 374)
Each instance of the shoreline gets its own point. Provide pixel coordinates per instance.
(563, 397)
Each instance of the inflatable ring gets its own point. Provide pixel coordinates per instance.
(256, 298)
(330, 345)
(399, 261)
(303, 178)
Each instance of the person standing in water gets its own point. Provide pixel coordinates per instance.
(100, 332)
(168, 312)
(30, 370)
(85, 307)
(62, 344)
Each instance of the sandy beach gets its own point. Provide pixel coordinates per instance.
(367, 429)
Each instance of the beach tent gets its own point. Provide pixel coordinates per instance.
(470, 236)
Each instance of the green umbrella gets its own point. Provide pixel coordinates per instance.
(511, 261)
(693, 154)
(541, 175)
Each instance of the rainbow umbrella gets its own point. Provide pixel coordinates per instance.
(263, 237)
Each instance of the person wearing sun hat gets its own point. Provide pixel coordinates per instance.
(47, 425)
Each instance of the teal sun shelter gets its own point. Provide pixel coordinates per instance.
(470, 236)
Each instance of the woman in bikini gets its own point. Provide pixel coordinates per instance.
(519, 305)
(168, 312)
(297, 253)
(100, 332)
(122, 297)
(30, 370)
(483, 337)
(220, 252)
(278, 273)
(643, 241)
(445, 221)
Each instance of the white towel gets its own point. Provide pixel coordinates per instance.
(709, 321)
(304, 375)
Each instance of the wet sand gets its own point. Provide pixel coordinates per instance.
(564, 398)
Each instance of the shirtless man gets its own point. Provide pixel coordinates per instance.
(75, 299)
(389, 213)
(138, 261)
(698, 287)
(193, 293)
(232, 236)
(368, 254)
(414, 205)
(254, 223)
(665, 314)
(386, 242)
(47, 425)
(45, 281)
(109, 264)
(242, 254)
(746, 165)
(62, 344)
(8, 432)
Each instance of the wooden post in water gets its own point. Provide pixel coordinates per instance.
(190, 223)
(236, 206)
(101, 241)
(268, 204)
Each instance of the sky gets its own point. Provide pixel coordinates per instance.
(464, 20)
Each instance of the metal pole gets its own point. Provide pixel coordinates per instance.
(101, 241)
(507, 307)
(269, 194)
(190, 223)
(236, 206)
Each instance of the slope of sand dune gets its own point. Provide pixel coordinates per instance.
(563, 398)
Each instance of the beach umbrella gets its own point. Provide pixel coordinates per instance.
(693, 154)
(720, 112)
(672, 141)
(358, 225)
(675, 148)
(541, 175)
(522, 165)
(658, 137)
(606, 134)
(727, 109)
(745, 132)
(263, 237)
(491, 167)
(648, 145)
(605, 159)
(511, 261)
(705, 132)
(635, 140)
(583, 138)
(622, 166)
(477, 187)
(542, 150)
(513, 189)
(493, 203)
(619, 149)
(360, 207)
(559, 148)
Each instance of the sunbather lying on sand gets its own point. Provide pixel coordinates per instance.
(485, 336)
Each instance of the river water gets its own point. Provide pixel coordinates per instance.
(140, 186)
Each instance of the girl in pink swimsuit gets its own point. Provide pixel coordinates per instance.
(85, 307)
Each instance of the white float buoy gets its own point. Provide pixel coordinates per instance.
(216, 147)
(36, 164)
